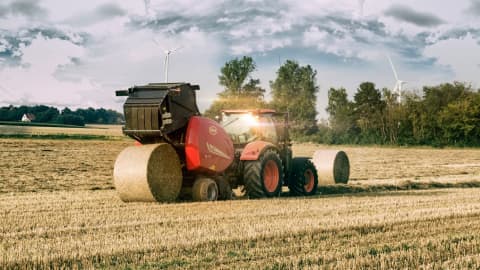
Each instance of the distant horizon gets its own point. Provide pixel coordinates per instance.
(323, 117)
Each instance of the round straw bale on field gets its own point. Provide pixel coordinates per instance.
(148, 173)
(333, 167)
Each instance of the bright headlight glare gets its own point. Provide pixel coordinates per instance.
(250, 119)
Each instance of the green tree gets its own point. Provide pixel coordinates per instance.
(460, 121)
(435, 99)
(70, 119)
(234, 75)
(294, 91)
(393, 116)
(368, 110)
(340, 111)
(44, 114)
(238, 93)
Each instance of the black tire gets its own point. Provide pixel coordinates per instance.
(256, 185)
(204, 189)
(304, 178)
(224, 190)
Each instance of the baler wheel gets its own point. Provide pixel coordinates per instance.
(304, 178)
(264, 177)
(204, 189)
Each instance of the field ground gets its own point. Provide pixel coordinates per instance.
(58, 210)
(34, 165)
(94, 229)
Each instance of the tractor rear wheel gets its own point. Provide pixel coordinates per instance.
(304, 178)
(264, 177)
(204, 189)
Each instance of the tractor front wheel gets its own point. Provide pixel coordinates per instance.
(304, 178)
(264, 177)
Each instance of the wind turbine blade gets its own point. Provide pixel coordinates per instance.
(361, 4)
(176, 49)
(393, 67)
(147, 7)
(165, 68)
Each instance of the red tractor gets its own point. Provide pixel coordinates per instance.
(263, 156)
(182, 153)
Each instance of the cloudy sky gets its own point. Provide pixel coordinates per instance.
(76, 53)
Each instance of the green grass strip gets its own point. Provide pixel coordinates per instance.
(37, 124)
(61, 137)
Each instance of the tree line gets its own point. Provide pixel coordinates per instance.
(47, 114)
(446, 114)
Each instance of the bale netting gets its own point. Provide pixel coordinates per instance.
(332, 166)
(148, 173)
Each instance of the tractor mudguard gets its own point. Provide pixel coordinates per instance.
(253, 150)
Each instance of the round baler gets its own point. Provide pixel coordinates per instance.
(182, 154)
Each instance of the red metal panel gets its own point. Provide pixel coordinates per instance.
(207, 146)
(253, 150)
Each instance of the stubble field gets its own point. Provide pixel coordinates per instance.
(58, 210)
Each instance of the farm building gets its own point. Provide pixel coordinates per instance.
(28, 117)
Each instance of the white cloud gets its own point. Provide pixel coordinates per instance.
(34, 81)
(260, 45)
(260, 27)
(185, 7)
(462, 56)
(341, 44)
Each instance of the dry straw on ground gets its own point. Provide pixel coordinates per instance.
(51, 217)
(94, 229)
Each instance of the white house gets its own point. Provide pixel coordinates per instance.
(26, 119)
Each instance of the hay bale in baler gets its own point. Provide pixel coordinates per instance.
(333, 167)
(148, 173)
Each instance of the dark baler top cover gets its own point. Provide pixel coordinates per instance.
(157, 111)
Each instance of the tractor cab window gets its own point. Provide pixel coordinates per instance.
(267, 130)
(245, 128)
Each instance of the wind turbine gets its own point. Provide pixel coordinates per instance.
(399, 83)
(147, 7)
(167, 58)
(361, 3)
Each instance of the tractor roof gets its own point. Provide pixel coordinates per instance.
(252, 111)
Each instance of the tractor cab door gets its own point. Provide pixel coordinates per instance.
(266, 129)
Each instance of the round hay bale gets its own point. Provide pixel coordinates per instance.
(148, 173)
(332, 166)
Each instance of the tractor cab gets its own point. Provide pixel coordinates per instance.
(246, 126)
